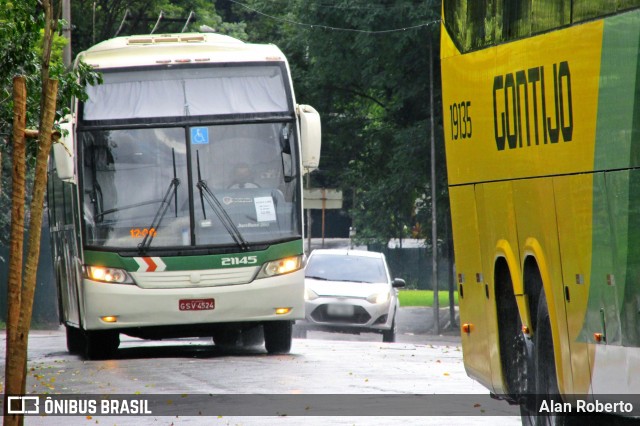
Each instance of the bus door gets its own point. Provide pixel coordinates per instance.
(499, 242)
(612, 228)
(574, 216)
(68, 279)
(470, 281)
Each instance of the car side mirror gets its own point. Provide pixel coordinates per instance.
(398, 283)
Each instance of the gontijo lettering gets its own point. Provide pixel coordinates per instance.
(522, 113)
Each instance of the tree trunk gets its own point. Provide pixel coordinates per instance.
(21, 293)
(17, 355)
(14, 284)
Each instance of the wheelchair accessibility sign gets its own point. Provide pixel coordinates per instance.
(199, 135)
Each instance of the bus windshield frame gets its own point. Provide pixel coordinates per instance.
(164, 183)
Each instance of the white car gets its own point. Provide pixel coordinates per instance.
(350, 291)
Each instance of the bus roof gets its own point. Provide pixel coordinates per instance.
(162, 49)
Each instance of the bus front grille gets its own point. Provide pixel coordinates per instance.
(190, 279)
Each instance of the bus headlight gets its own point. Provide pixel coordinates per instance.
(279, 267)
(108, 275)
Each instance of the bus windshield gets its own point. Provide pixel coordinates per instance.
(216, 185)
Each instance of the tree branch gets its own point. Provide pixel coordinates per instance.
(360, 94)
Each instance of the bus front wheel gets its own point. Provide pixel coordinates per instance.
(277, 336)
(75, 340)
(100, 344)
(227, 337)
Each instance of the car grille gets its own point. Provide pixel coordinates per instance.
(360, 316)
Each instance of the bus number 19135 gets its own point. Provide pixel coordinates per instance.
(460, 120)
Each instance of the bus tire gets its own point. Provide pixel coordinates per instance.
(546, 379)
(75, 340)
(278, 336)
(100, 344)
(227, 336)
(253, 336)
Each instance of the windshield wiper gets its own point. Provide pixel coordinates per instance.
(172, 190)
(218, 209)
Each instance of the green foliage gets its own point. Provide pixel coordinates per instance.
(96, 21)
(72, 83)
(365, 65)
(21, 32)
(371, 86)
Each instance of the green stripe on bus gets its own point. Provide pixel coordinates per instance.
(187, 263)
(615, 268)
(618, 90)
(631, 293)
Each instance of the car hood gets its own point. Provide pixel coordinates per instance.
(345, 289)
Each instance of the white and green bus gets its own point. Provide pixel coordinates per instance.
(175, 197)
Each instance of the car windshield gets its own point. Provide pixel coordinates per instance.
(351, 268)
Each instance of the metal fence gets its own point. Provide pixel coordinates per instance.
(45, 304)
(414, 265)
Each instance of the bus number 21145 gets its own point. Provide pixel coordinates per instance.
(244, 260)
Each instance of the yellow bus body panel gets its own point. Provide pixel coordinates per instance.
(500, 157)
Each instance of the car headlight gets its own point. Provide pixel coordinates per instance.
(310, 294)
(280, 267)
(108, 275)
(379, 298)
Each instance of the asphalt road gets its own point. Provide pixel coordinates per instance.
(351, 371)
(415, 325)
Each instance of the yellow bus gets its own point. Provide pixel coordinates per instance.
(541, 117)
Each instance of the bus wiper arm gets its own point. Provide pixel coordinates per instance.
(172, 191)
(222, 214)
(219, 210)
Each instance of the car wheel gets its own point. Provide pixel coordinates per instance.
(277, 336)
(100, 344)
(389, 336)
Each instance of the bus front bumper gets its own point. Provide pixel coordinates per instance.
(121, 306)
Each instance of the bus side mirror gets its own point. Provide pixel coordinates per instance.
(310, 137)
(63, 152)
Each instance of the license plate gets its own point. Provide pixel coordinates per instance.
(340, 310)
(196, 304)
